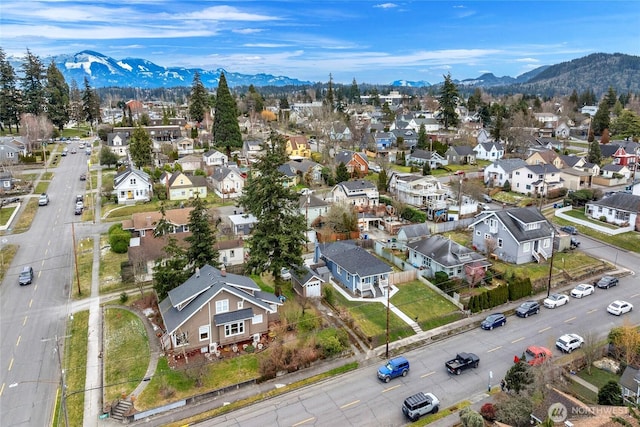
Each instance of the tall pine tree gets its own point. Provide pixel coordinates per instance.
(448, 100)
(226, 130)
(202, 241)
(57, 96)
(199, 101)
(9, 94)
(279, 236)
(140, 147)
(32, 82)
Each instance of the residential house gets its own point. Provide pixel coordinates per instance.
(231, 252)
(383, 140)
(574, 179)
(418, 190)
(306, 282)
(484, 136)
(592, 168)
(118, 143)
(536, 179)
(406, 139)
(145, 251)
(6, 181)
(10, 150)
(420, 157)
(313, 208)
(298, 147)
(437, 253)
(252, 149)
(619, 208)
(489, 150)
(460, 155)
(431, 125)
(359, 193)
(621, 157)
(241, 224)
(309, 171)
(630, 385)
(214, 308)
(610, 171)
(500, 171)
(562, 131)
(571, 161)
(157, 133)
(290, 176)
(339, 132)
(215, 158)
(356, 163)
(190, 163)
(180, 186)
(142, 224)
(545, 157)
(412, 233)
(132, 185)
(516, 235)
(227, 182)
(547, 118)
(589, 109)
(184, 146)
(354, 268)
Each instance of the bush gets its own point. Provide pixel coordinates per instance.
(328, 295)
(488, 412)
(119, 239)
(331, 342)
(124, 298)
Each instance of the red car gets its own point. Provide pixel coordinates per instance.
(536, 355)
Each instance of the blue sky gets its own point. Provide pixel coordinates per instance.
(371, 41)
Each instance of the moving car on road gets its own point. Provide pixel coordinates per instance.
(569, 342)
(555, 300)
(461, 362)
(528, 308)
(26, 276)
(493, 321)
(619, 307)
(43, 200)
(396, 367)
(582, 290)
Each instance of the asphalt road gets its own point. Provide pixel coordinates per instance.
(360, 399)
(31, 317)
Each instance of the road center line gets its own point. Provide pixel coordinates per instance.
(515, 341)
(10, 364)
(350, 404)
(592, 311)
(389, 389)
(24, 322)
(634, 295)
(304, 421)
(1, 389)
(544, 329)
(427, 374)
(494, 349)
(18, 343)
(30, 302)
(570, 319)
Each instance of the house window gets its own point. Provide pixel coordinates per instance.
(478, 232)
(338, 269)
(222, 306)
(240, 305)
(257, 319)
(181, 339)
(499, 242)
(232, 253)
(203, 332)
(487, 236)
(132, 181)
(526, 247)
(545, 244)
(232, 329)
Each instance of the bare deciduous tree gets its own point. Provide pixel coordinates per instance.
(35, 129)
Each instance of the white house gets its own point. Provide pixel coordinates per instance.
(489, 151)
(498, 172)
(417, 190)
(535, 179)
(132, 185)
(215, 158)
(619, 208)
(359, 193)
(420, 157)
(228, 182)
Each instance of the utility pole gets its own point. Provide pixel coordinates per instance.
(550, 267)
(388, 310)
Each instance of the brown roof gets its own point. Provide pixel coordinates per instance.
(148, 220)
(228, 244)
(152, 248)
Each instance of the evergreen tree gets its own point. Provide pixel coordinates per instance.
(594, 155)
(33, 75)
(108, 157)
(329, 101)
(610, 394)
(519, 376)
(278, 238)
(426, 169)
(57, 96)
(75, 103)
(342, 173)
(610, 98)
(9, 94)
(283, 110)
(226, 130)
(388, 116)
(90, 104)
(475, 101)
(255, 100)
(202, 241)
(382, 180)
(601, 119)
(169, 272)
(574, 99)
(423, 139)
(626, 125)
(140, 147)
(199, 100)
(354, 92)
(448, 100)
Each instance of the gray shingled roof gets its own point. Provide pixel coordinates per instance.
(232, 316)
(344, 156)
(445, 251)
(415, 230)
(512, 218)
(463, 150)
(353, 259)
(509, 165)
(358, 184)
(630, 378)
(620, 201)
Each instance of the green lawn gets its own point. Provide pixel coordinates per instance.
(579, 214)
(598, 377)
(629, 241)
(126, 352)
(75, 362)
(418, 301)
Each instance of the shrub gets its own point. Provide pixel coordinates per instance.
(329, 296)
(119, 239)
(488, 412)
(331, 342)
(124, 298)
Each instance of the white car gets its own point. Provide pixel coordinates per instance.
(619, 307)
(555, 300)
(582, 290)
(569, 342)
(285, 273)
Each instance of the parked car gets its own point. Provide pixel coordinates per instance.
(493, 321)
(555, 300)
(569, 229)
(26, 276)
(420, 404)
(574, 243)
(285, 273)
(606, 282)
(487, 198)
(528, 308)
(582, 290)
(461, 362)
(43, 200)
(9, 200)
(536, 355)
(65, 151)
(619, 307)
(73, 150)
(396, 367)
(83, 177)
(79, 198)
(569, 342)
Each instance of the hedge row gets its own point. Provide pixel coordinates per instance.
(514, 290)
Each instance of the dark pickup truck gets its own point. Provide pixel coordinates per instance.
(461, 362)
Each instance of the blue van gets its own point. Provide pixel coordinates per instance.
(398, 366)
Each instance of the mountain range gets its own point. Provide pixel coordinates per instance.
(596, 72)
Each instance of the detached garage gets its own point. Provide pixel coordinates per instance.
(306, 283)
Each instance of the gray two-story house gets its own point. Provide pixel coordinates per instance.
(437, 253)
(517, 235)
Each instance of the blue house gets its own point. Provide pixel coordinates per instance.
(354, 268)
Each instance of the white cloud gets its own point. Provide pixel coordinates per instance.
(386, 5)
(265, 45)
(247, 30)
(530, 60)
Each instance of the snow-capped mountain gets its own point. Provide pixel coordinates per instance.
(104, 71)
(409, 83)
